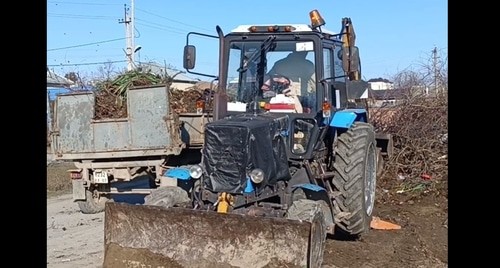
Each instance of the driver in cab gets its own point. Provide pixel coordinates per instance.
(294, 68)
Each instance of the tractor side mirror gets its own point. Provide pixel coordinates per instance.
(351, 62)
(189, 57)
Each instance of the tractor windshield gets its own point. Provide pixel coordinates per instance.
(272, 71)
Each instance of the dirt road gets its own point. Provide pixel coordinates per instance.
(76, 240)
(422, 241)
(73, 239)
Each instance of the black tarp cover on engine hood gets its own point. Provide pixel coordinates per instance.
(234, 146)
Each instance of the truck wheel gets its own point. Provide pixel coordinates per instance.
(311, 211)
(93, 203)
(167, 196)
(355, 172)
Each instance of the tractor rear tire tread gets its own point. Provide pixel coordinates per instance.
(351, 155)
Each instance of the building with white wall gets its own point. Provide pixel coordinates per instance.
(380, 84)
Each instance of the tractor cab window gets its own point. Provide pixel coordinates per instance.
(270, 73)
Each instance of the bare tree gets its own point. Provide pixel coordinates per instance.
(107, 71)
(418, 123)
(428, 76)
(433, 70)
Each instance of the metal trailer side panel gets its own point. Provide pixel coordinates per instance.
(149, 112)
(149, 129)
(193, 128)
(112, 135)
(74, 116)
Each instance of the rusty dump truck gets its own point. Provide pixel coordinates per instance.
(107, 152)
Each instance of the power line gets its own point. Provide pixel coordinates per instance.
(159, 26)
(82, 3)
(98, 49)
(76, 16)
(159, 16)
(164, 27)
(85, 57)
(88, 44)
(90, 63)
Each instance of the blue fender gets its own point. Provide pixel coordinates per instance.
(309, 186)
(249, 187)
(345, 118)
(181, 173)
(315, 192)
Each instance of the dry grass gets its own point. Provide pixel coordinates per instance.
(58, 181)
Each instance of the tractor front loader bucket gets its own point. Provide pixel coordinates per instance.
(152, 236)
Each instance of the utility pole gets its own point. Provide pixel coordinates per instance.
(434, 61)
(132, 31)
(129, 36)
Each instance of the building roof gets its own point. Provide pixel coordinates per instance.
(55, 80)
(380, 79)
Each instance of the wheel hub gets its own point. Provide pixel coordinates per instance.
(370, 180)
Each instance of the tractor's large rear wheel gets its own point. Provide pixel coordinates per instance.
(311, 211)
(355, 174)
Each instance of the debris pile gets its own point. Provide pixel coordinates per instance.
(184, 101)
(419, 126)
(109, 106)
(111, 95)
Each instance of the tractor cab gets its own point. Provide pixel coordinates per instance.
(283, 68)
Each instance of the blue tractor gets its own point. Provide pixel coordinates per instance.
(286, 160)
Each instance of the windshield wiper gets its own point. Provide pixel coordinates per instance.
(264, 48)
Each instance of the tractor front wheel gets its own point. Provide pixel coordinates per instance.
(311, 211)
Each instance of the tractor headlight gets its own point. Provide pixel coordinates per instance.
(256, 175)
(195, 171)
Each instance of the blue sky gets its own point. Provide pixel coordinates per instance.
(392, 35)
